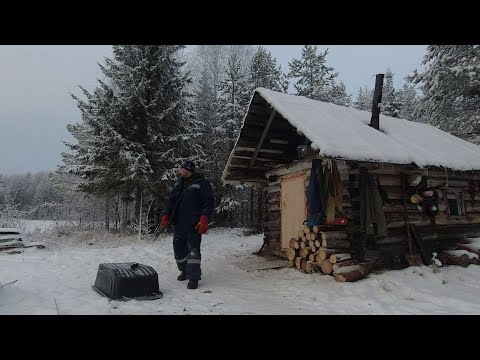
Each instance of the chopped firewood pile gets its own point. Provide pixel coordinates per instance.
(320, 250)
(327, 252)
(466, 253)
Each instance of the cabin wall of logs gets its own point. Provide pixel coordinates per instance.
(447, 225)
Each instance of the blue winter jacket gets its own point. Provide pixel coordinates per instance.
(190, 198)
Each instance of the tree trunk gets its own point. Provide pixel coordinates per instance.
(260, 201)
(107, 212)
(252, 208)
(138, 202)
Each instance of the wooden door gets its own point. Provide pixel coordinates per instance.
(293, 205)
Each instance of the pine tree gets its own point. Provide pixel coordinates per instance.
(337, 94)
(265, 73)
(390, 105)
(451, 89)
(314, 76)
(409, 102)
(364, 99)
(136, 128)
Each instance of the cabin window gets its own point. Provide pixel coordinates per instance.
(455, 204)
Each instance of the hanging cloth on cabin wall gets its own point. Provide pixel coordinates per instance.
(314, 194)
(334, 191)
(338, 188)
(371, 207)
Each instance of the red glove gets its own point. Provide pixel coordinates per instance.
(202, 225)
(164, 224)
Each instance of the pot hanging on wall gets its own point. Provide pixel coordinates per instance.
(414, 179)
(432, 209)
(415, 199)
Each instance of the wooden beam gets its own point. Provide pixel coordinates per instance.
(262, 157)
(262, 138)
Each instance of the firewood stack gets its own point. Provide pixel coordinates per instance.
(465, 254)
(321, 250)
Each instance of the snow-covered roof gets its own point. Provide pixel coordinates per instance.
(343, 132)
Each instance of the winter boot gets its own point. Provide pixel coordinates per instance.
(192, 284)
(182, 276)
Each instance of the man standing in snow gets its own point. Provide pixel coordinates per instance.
(188, 209)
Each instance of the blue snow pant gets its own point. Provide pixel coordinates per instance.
(186, 247)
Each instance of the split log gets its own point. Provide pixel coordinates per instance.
(312, 267)
(303, 264)
(303, 244)
(311, 243)
(291, 263)
(291, 254)
(301, 233)
(333, 235)
(339, 257)
(326, 267)
(352, 275)
(292, 243)
(341, 264)
(318, 243)
(326, 253)
(473, 258)
(469, 247)
(312, 257)
(304, 238)
(297, 262)
(315, 229)
(314, 249)
(336, 243)
(297, 246)
(305, 252)
(448, 259)
(306, 229)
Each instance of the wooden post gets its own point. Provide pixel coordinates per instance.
(377, 98)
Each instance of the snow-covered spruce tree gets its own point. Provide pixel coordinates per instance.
(390, 105)
(409, 101)
(235, 93)
(451, 89)
(100, 156)
(364, 99)
(314, 77)
(145, 123)
(337, 94)
(265, 73)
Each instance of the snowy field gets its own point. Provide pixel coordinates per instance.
(61, 276)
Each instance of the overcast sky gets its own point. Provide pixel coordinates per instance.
(36, 82)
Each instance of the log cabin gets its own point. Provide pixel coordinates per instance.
(395, 188)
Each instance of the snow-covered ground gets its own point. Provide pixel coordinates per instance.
(62, 275)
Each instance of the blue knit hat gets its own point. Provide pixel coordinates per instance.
(189, 165)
